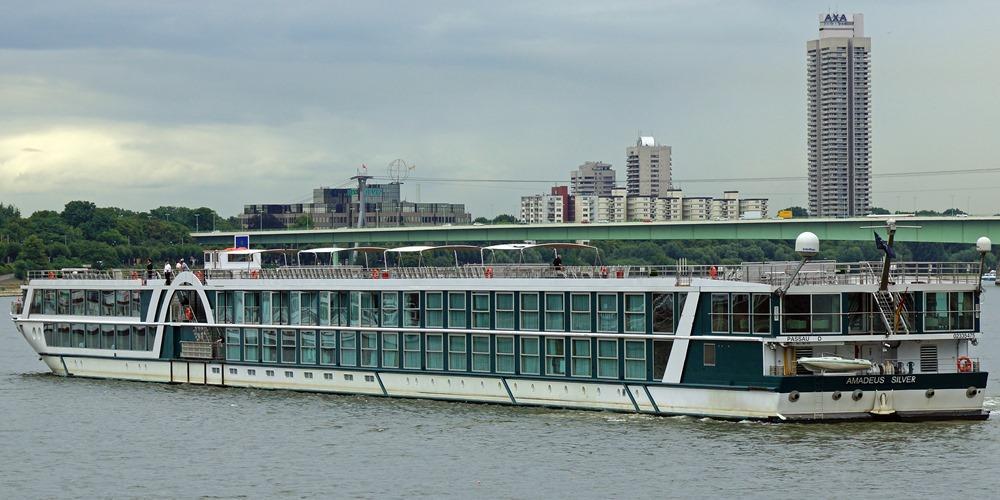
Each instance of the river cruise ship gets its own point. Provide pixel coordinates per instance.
(782, 341)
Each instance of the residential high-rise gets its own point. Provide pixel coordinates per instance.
(593, 178)
(839, 116)
(647, 168)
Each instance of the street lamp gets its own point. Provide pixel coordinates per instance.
(196, 216)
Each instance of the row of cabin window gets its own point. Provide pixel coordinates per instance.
(547, 311)
(93, 336)
(122, 303)
(821, 313)
(741, 313)
(555, 356)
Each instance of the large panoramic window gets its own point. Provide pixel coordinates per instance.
(720, 313)
(811, 313)
(761, 313)
(949, 311)
(663, 313)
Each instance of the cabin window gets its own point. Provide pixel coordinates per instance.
(224, 307)
(607, 358)
(66, 335)
(49, 331)
(36, 302)
(251, 308)
(580, 356)
(456, 310)
(607, 312)
(141, 340)
(661, 355)
(78, 337)
(279, 308)
(456, 353)
(635, 359)
(93, 336)
(411, 351)
(435, 351)
(390, 309)
(123, 337)
(480, 353)
(107, 302)
(741, 313)
(761, 313)
(64, 299)
(635, 313)
(251, 342)
(826, 313)
(949, 311)
(107, 336)
(233, 344)
(365, 305)
(505, 311)
(434, 307)
(93, 302)
(663, 313)
(307, 353)
(579, 320)
(555, 307)
(327, 376)
(505, 354)
(811, 313)
(79, 305)
(390, 350)
(529, 310)
(340, 308)
(708, 353)
(294, 308)
(555, 356)
(369, 349)
(323, 306)
(308, 309)
(720, 313)
(529, 356)
(49, 306)
(349, 348)
(123, 303)
(328, 347)
(411, 309)
(288, 347)
(480, 310)
(270, 346)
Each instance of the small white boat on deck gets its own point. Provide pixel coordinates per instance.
(990, 276)
(834, 364)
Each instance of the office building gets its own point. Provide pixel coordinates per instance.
(647, 168)
(839, 117)
(592, 178)
(338, 207)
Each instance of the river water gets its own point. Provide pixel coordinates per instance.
(77, 438)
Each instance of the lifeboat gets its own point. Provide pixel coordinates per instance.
(835, 364)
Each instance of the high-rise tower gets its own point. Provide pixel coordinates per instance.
(839, 116)
(647, 168)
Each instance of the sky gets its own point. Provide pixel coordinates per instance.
(226, 103)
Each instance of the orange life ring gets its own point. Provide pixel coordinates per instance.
(489, 272)
(255, 274)
(964, 364)
(713, 272)
(188, 313)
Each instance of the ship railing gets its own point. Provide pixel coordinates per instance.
(772, 273)
(893, 366)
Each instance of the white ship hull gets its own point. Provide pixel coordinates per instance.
(623, 397)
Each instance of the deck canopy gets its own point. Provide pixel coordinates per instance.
(420, 249)
(521, 247)
(333, 251)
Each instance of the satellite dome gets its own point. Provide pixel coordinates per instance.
(983, 244)
(807, 244)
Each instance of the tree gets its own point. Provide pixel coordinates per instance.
(76, 213)
(505, 219)
(879, 211)
(33, 252)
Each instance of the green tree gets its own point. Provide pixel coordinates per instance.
(76, 213)
(798, 211)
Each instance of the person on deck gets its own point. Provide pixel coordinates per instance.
(557, 263)
(167, 272)
(149, 269)
(184, 266)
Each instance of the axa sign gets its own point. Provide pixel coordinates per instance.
(835, 19)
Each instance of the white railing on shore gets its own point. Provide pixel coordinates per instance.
(772, 273)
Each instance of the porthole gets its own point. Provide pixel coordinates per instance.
(836, 395)
(857, 394)
(793, 396)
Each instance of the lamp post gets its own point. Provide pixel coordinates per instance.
(196, 216)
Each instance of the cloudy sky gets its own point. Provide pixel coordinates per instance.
(142, 104)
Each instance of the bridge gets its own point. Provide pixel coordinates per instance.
(932, 230)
